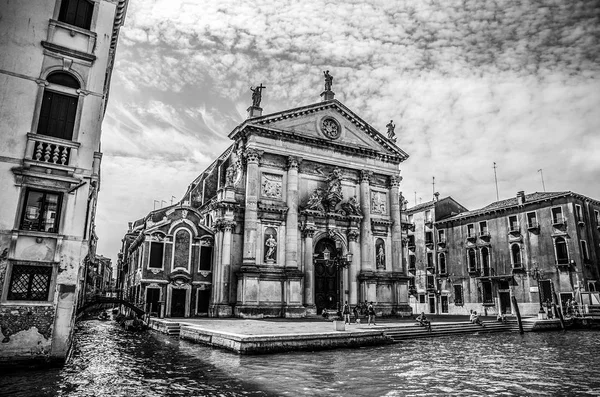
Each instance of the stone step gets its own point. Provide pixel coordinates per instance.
(416, 331)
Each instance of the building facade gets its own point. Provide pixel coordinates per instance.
(55, 70)
(303, 212)
(539, 247)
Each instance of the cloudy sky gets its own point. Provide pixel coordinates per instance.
(467, 83)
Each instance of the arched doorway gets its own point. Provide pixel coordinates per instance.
(327, 276)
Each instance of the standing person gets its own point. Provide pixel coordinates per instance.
(371, 313)
(346, 313)
(355, 312)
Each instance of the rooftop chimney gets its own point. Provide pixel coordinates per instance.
(436, 197)
(130, 225)
(521, 197)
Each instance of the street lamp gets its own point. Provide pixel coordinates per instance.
(538, 274)
(338, 261)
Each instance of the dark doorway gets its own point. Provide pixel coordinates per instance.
(444, 304)
(152, 297)
(505, 302)
(178, 303)
(432, 305)
(546, 290)
(203, 301)
(327, 280)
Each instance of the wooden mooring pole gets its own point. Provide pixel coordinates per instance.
(518, 313)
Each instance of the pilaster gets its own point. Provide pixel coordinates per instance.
(291, 230)
(396, 223)
(309, 268)
(353, 236)
(251, 204)
(366, 237)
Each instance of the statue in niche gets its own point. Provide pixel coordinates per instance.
(380, 258)
(315, 201)
(390, 131)
(352, 207)
(334, 188)
(230, 175)
(328, 80)
(271, 246)
(257, 95)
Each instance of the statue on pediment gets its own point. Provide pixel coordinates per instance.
(390, 131)
(328, 80)
(257, 95)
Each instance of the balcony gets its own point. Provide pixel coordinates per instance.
(533, 225)
(412, 268)
(409, 227)
(514, 229)
(429, 243)
(430, 268)
(559, 221)
(484, 234)
(563, 264)
(518, 268)
(580, 221)
(473, 271)
(70, 40)
(472, 237)
(51, 153)
(441, 242)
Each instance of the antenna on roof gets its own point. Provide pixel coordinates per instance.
(542, 175)
(415, 199)
(496, 179)
(433, 184)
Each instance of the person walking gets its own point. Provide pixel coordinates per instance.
(355, 312)
(346, 313)
(371, 313)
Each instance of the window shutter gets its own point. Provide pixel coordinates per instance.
(45, 113)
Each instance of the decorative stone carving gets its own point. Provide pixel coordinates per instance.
(331, 128)
(353, 235)
(205, 273)
(334, 188)
(351, 207)
(378, 203)
(309, 231)
(184, 214)
(253, 155)
(395, 180)
(315, 201)
(294, 162)
(365, 176)
(270, 245)
(272, 185)
(224, 225)
(380, 256)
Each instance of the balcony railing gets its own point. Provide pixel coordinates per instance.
(558, 220)
(533, 224)
(514, 228)
(49, 151)
(484, 233)
(471, 236)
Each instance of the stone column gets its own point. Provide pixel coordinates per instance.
(223, 297)
(251, 203)
(309, 268)
(366, 238)
(396, 223)
(354, 266)
(291, 223)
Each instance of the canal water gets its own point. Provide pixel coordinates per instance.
(107, 361)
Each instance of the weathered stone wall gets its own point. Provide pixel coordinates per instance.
(26, 332)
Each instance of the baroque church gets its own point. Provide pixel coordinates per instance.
(302, 213)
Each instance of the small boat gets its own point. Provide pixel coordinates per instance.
(103, 316)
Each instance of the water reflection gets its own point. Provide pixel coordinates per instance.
(107, 361)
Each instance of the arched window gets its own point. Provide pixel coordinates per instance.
(472, 260)
(485, 261)
(57, 115)
(562, 255)
(181, 252)
(77, 13)
(442, 263)
(515, 251)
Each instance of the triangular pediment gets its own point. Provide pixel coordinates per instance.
(330, 123)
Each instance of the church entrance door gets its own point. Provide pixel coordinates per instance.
(327, 277)
(178, 303)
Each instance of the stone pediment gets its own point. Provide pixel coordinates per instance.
(327, 123)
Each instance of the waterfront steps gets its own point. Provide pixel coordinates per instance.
(166, 327)
(444, 329)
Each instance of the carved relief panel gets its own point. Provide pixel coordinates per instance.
(378, 203)
(272, 186)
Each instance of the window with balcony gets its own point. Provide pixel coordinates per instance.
(156, 255)
(578, 213)
(472, 260)
(470, 230)
(77, 13)
(515, 254)
(59, 107)
(412, 262)
(29, 283)
(532, 222)
(513, 223)
(430, 260)
(485, 261)
(584, 251)
(441, 236)
(41, 211)
(442, 263)
(428, 237)
(411, 241)
(557, 216)
(483, 229)
(430, 282)
(560, 247)
(458, 295)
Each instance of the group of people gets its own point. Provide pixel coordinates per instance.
(475, 319)
(365, 309)
(572, 307)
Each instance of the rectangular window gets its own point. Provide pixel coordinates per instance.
(428, 237)
(557, 215)
(156, 255)
(206, 257)
(430, 282)
(430, 259)
(57, 115)
(458, 295)
(597, 216)
(513, 223)
(441, 236)
(77, 13)
(578, 213)
(29, 283)
(411, 240)
(41, 211)
(412, 262)
(470, 230)
(532, 220)
(584, 251)
(411, 218)
(421, 298)
(483, 229)
(486, 287)
(428, 216)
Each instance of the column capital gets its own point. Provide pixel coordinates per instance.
(365, 176)
(253, 155)
(309, 232)
(353, 235)
(225, 225)
(395, 180)
(293, 162)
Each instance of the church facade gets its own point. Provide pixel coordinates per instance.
(305, 210)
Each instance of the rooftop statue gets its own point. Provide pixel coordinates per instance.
(328, 80)
(257, 95)
(390, 131)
